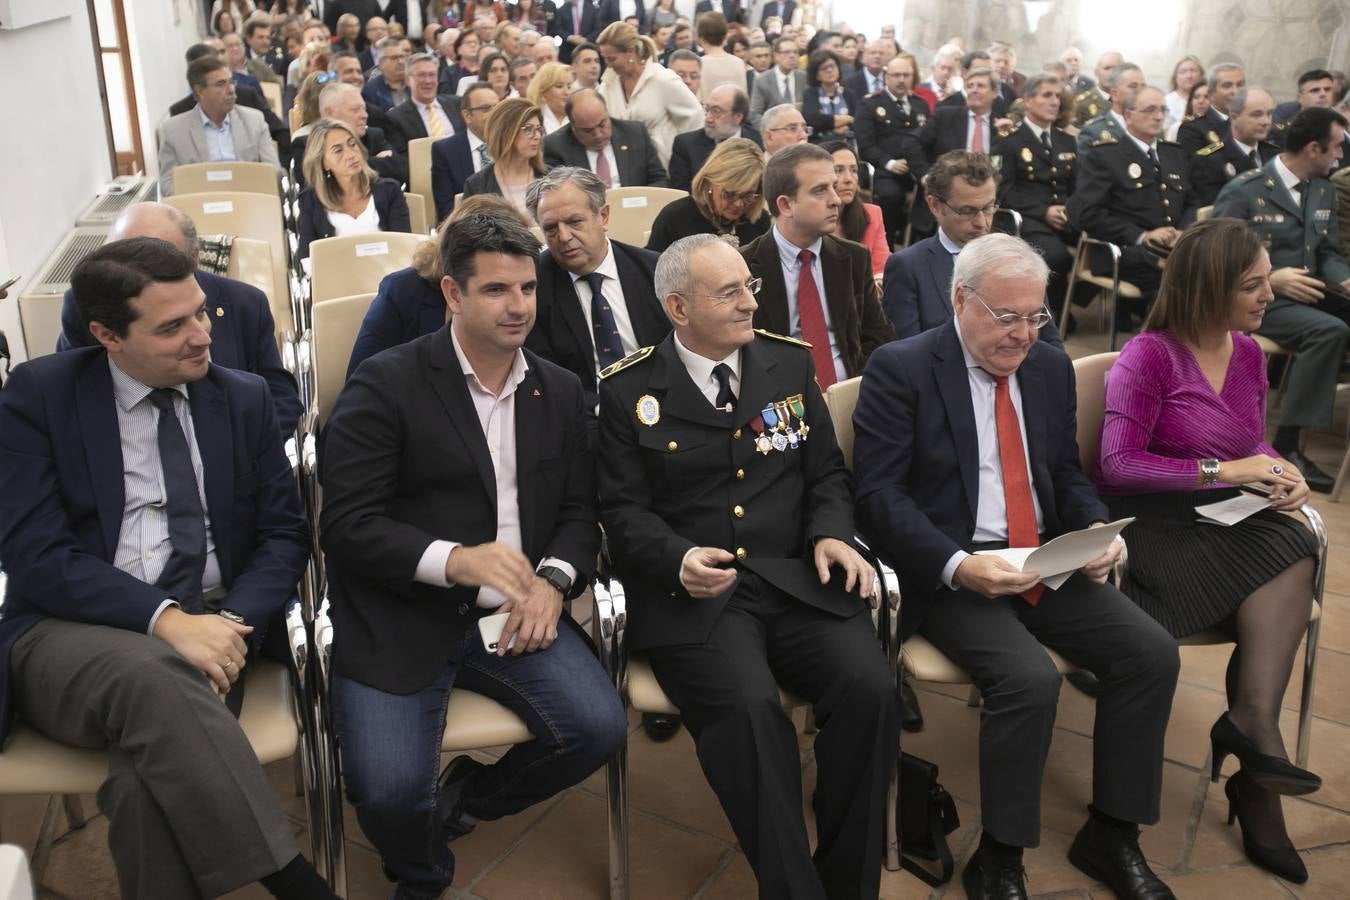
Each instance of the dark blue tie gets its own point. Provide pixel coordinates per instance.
(726, 399)
(182, 574)
(608, 347)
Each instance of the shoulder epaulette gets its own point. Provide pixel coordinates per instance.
(1281, 126)
(775, 336)
(1209, 148)
(1191, 118)
(1244, 177)
(1084, 94)
(631, 359)
(1104, 141)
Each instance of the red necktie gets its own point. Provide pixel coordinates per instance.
(602, 169)
(977, 135)
(576, 17)
(1012, 460)
(812, 316)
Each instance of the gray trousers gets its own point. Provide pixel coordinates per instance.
(1319, 339)
(190, 813)
(1096, 627)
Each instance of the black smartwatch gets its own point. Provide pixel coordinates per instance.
(556, 577)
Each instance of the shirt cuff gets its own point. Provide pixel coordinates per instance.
(154, 620)
(563, 564)
(949, 570)
(682, 561)
(431, 567)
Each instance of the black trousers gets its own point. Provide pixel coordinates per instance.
(998, 642)
(727, 691)
(1054, 246)
(888, 192)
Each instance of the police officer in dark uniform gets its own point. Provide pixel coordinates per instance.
(1291, 202)
(729, 517)
(1135, 193)
(886, 127)
(1225, 80)
(1038, 164)
(1245, 147)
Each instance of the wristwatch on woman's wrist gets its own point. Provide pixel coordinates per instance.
(1209, 471)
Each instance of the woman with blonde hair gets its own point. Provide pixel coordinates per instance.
(305, 112)
(549, 89)
(344, 195)
(726, 198)
(409, 302)
(637, 87)
(515, 141)
(1186, 74)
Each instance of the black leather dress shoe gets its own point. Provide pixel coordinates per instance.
(1317, 479)
(449, 788)
(660, 727)
(911, 716)
(1113, 856)
(985, 878)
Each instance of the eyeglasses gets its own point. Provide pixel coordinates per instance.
(795, 129)
(746, 197)
(970, 212)
(325, 77)
(716, 112)
(1010, 320)
(753, 286)
(532, 130)
(481, 108)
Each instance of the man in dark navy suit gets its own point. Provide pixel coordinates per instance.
(729, 8)
(151, 531)
(968, 126)
(573, 327)
(454, 159)
(916, 288)
(724, 115)
(577, 22)
(590, 133)
(782, 9)
(965, 441)
(243, 335)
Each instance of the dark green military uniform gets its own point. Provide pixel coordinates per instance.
(1033, 178)
(763, 482)
(1303, 235)
(1219, 162)
(1089, 105)
(1102, 128)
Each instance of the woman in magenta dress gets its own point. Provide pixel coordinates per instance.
(1184, 425)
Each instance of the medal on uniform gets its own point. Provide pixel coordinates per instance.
(1134, 170)
(761, 439)
(1229, 169)
(779, 441)
(1026, 154)
(798, 408)
(764, 443)
(648, 410)
(1260, 201)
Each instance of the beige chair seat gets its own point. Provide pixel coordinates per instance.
(1127, 290)
(924, 662)
(645, 694)
(417, 214)
(33, 764)
(473, 721)
(342, 266)
(632, 210)
(336, 324)
(249, 177)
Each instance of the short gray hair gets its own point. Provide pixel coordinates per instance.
(1008, 256)
(421, 58)
(946, 51)
(331, 93)
(1119, 74)
(560, 177)
(986, 72)
(769, 118)
(382, 45)
(1218, 69)
(674, 274)
(1033, 84)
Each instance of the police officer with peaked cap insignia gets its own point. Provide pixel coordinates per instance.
(732, 533)
(886, 129)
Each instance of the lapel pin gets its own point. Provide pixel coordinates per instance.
(623, 146)
(220, 311)
(536, 393)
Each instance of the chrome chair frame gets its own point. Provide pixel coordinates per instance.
(1080, 260)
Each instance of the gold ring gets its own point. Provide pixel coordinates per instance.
(227, 663)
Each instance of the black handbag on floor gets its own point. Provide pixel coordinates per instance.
(926, 815)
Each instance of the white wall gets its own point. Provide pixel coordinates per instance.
(53, 144)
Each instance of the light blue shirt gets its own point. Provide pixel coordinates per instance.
(792, 267)
(219, 139)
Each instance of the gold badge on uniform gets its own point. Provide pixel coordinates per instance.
(1261, 201)
(1106, 134)
(648, 410)
(1026, 154)
(1134, 170)
(1213, 137)
(881, 112)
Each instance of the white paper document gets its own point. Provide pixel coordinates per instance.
(1230, 512)
(1063, 556)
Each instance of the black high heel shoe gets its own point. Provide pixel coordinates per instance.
(1282, 861)
(1270, 772)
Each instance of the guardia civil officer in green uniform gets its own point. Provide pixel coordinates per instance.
(1110, 124)
(1094, 99)
(729, 516)
(1244, 147)
(1291, 202)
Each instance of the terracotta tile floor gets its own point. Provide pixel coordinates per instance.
(683, 848)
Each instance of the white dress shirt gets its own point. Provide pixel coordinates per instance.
(611, 290)
(792, 266)
(427, 110)
(474, 143)
(991, 510)
(1290, 181)
(143, 545)
(593, 155)
(700, 370)
(497, 418)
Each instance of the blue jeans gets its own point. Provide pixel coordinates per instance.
(391, 745)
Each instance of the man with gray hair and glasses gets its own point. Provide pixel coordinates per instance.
(730, 520)
(783, 126)
(944, 469)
